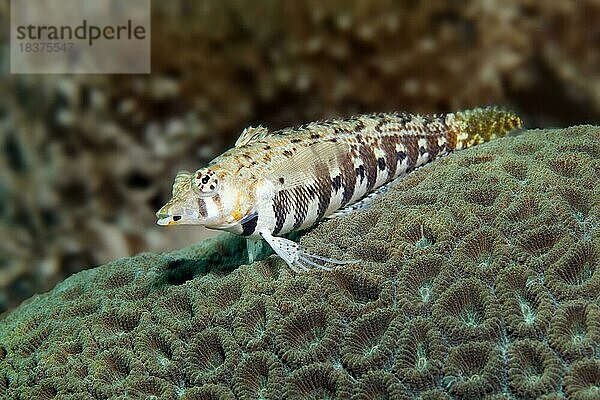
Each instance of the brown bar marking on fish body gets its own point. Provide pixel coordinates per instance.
(324, 188)
(432, 146)
(388, 145)
(369, 160)
(281, 208)
(202, 208)
(412, 149)
(348, 177)
(302, 197)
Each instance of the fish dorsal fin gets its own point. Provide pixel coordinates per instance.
(251, 134)
(181, 179)
(303, 167)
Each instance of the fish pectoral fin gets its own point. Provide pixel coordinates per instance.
(298, 258)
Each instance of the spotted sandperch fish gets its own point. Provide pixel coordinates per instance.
(272, 183)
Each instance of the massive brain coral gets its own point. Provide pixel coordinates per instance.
(480, 277)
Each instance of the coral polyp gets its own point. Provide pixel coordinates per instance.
(516, 168)
(575, 329)
(418, 234)
(421, 353)
(46, 389)
(526, 304)
(370, 342)
(33, 337)
(253, 324)
(468, 310)
(212, 356)
(538, 242)
(533, 369)
(310, 334)
(318, 381)
(111, 370)
(151, 387)
(567, 167)
(577, 273)
(259, 376)
(158, 349)
(380, 385)
(117, 322)
(483, 253)
(426, 278)
(582, 382)
(471, 369)
(481, 194)
(355, 292)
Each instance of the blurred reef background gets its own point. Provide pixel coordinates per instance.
(86, 160)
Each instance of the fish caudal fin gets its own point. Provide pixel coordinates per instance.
(472, 127)
(296, 257)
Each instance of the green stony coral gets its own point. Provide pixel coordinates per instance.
(479, 279)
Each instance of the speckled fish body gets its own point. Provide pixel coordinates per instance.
(305, 174)
(272, 183)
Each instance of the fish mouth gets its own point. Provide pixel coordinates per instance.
(168, 220)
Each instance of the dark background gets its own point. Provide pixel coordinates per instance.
(86, 160)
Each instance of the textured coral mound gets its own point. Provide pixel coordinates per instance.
(480, 277)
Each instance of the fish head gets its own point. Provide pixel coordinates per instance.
(211, 197)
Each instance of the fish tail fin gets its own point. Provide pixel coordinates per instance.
(478, 125)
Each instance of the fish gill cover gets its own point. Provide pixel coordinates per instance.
(480, 279)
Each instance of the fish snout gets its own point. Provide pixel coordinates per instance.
(166, 219)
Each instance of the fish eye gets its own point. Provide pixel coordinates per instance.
(205, 182)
